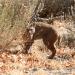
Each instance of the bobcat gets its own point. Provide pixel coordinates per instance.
(47, 33)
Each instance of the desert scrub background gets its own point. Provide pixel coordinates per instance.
(14, 17)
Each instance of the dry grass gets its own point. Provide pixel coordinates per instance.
(21, 64)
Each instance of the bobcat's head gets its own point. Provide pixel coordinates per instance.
(31, 30)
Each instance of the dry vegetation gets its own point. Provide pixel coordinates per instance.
(37, 63)
(14, 18)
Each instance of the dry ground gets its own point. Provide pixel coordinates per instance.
(37, 63)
